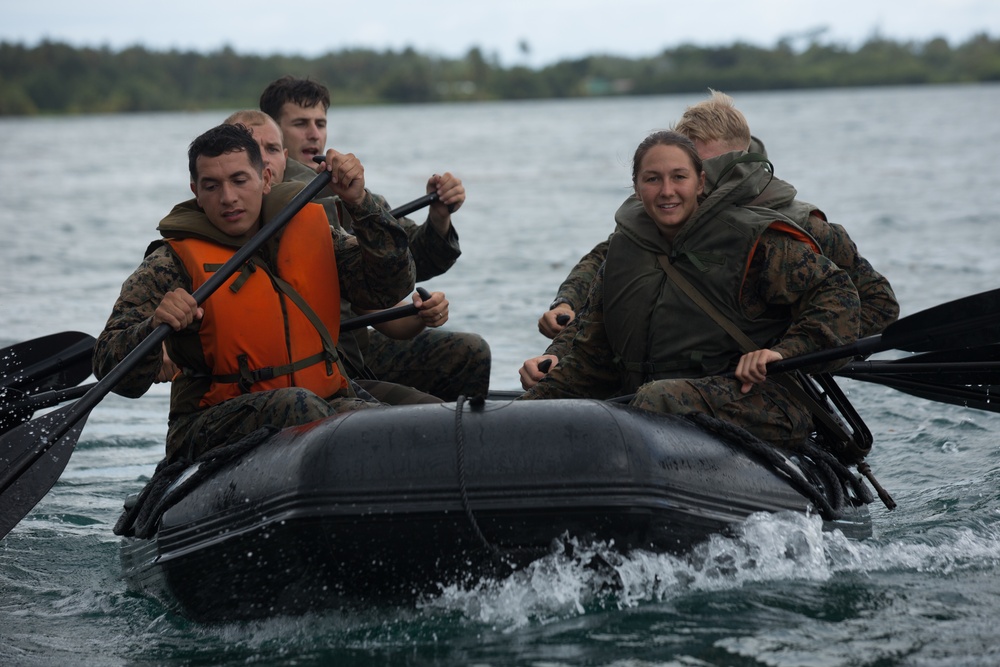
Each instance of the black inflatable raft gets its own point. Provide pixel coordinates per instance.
(380, 505)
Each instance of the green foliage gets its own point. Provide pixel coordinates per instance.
(53, 77)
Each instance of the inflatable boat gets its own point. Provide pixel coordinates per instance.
(389, 504)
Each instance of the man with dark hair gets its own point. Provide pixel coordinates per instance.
(299, 107)
(262, 350)
(443, 363)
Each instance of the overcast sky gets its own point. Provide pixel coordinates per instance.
(551, 29)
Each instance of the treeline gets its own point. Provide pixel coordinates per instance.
(56, 78)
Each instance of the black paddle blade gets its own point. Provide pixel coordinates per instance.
(51, 362)
(980, 397)
(972, 321)
(31, 466)
(967, 366)
(16, 407)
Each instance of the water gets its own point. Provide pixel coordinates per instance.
(910, 171)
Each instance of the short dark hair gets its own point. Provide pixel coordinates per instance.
(224, 139)
(304, 92)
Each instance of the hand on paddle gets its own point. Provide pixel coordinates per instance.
(534, 369)
(451, 196)
(752, 367)
(347, 176)
(433, 312)
(178, 309)
(552, 322)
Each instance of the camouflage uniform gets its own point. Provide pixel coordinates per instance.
(439, 362)
(785, 275)
(374, 269)
(446, 364)
(879, 307)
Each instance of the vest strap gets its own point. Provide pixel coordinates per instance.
(247, 377)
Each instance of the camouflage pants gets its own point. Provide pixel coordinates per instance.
(767, 410)
(395, 394)
(191, 435)
(443, 363)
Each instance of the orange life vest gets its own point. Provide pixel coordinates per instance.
(271, 327)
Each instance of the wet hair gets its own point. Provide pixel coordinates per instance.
(664, 138)
(715, 119)
(304, 92)
(224, 139)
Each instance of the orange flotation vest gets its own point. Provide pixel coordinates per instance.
(271, 327)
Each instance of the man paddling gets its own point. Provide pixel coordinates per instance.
(431, 313)
(439, 362)
(261, 351)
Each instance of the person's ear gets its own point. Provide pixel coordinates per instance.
(266, 176)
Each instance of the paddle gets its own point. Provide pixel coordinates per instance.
(974, 365)
(54, 434)
(414, 205)
(18, 407)
(971, 321)
(960, 377)
(405, 209)
(969, 396)
(50, 362)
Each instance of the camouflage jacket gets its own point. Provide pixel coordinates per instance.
(879, 307)
(784, 275)
(432, 253)
(374, 269)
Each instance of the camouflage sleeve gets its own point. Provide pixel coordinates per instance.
(131, 321)
(432, 253)
(561, 343)
(879, 307)
(575, 288)
(587, 370)
(374, 265)
(820, 296)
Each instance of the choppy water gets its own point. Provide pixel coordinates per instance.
(910, 171)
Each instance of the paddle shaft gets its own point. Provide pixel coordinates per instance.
(405, 209)
(414, 205)
(984, 368)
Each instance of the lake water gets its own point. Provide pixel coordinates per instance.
(911, 172)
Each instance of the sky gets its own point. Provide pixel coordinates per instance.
(517, 32)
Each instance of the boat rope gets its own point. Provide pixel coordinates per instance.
(460, 460)
(742, 439)
(160, 493)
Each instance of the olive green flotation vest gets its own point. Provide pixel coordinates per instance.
(654, 328)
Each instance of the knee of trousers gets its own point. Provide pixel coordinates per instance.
(304, 404)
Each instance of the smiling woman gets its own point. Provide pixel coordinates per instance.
(669, 182)
(697, 263)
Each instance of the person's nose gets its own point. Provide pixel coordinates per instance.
(227, 193)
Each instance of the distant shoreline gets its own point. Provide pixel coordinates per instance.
(54, 78)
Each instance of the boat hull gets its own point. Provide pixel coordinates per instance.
(390, 504)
